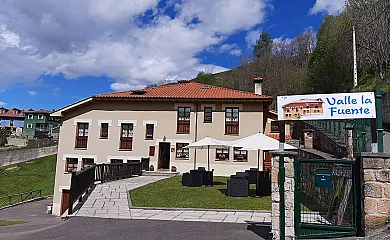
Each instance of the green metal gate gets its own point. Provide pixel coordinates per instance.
(326, 198)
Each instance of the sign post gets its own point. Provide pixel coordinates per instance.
(282, 137)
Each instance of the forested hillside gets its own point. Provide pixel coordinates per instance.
(320, 63)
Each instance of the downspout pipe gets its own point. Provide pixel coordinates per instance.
(196, 129)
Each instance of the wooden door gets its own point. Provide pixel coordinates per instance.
(267, 162)
(65, 201)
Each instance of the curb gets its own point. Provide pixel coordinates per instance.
(199, 209)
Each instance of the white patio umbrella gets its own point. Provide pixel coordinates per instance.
(259, 141)
(207, 143)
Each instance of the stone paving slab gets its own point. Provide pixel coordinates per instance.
(110, 200)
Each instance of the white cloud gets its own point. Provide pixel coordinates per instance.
(56, 91)
(331, 7)
(281, 40)
(233, 49)
(251, 38)
(96, 38)
(2, 103)
(32, 93)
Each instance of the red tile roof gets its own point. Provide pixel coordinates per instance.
(10, 113)
(37, 111)
(185, 90)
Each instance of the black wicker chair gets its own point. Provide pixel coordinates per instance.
(237, 186)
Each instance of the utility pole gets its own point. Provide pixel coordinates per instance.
(354, 58)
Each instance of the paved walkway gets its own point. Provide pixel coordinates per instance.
(111, 200)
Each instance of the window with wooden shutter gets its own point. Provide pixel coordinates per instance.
(149, 131)
(231, 121)
(104, 130)
(126, 139)
(208, 115)
(183, 120)
(82, 135)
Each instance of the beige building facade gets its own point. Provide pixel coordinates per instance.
(146, 124)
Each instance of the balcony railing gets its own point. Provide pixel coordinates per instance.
(44, 129)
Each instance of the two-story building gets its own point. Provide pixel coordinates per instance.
(158, 123)
(39, 123)
(12, 119)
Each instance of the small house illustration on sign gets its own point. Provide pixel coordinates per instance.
(304, 107)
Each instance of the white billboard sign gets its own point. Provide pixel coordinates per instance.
(327, 106)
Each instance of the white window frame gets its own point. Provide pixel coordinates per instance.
(40, 116)
(30, 116)
(29, 125)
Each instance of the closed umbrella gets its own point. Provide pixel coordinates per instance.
(207, 143)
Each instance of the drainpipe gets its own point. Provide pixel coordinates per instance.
(196, 130)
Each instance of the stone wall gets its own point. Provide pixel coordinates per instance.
(16, 156)
(375, 172)
(289, 195)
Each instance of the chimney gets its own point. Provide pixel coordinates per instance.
(258, 85)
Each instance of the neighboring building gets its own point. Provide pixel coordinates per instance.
(305, 107)
(39, 123)
(12, 119)
(158, 123)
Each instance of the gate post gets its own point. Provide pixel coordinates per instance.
(287, 193)
(373, 190)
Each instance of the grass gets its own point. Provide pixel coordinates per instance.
(27, 176)
(4, 223)
(169, 193)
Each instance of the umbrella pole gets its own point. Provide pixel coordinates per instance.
(195, 160)
(258, 170)
(208, 158)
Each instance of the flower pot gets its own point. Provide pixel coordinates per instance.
(173, 169)
(151, 168)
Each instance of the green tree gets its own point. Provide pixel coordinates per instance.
(331, 64)
(263, 46)
(4, 133)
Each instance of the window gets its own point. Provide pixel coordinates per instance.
(208, 115)
(71, 165)
(82, 135)
(181, 152)
(11, 123)
(183, 119)
(29, 125)
(116, 160)
(274, 126)
(88, 162)
(30, 116)
(104, 130)
(222, 154)
(126, 140)
(240, 155)
(40, 116)
(231, 121)
(149, 131)
(152, 150)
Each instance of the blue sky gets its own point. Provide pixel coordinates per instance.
(55, 53)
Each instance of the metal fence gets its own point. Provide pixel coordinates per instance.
(336, 129)
(19, 198)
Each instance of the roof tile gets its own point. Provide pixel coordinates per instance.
(185, 90)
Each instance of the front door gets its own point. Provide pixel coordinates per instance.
(164, 155)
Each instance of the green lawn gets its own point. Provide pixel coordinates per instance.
(169, 193)
(9, 223)
(27, 176)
